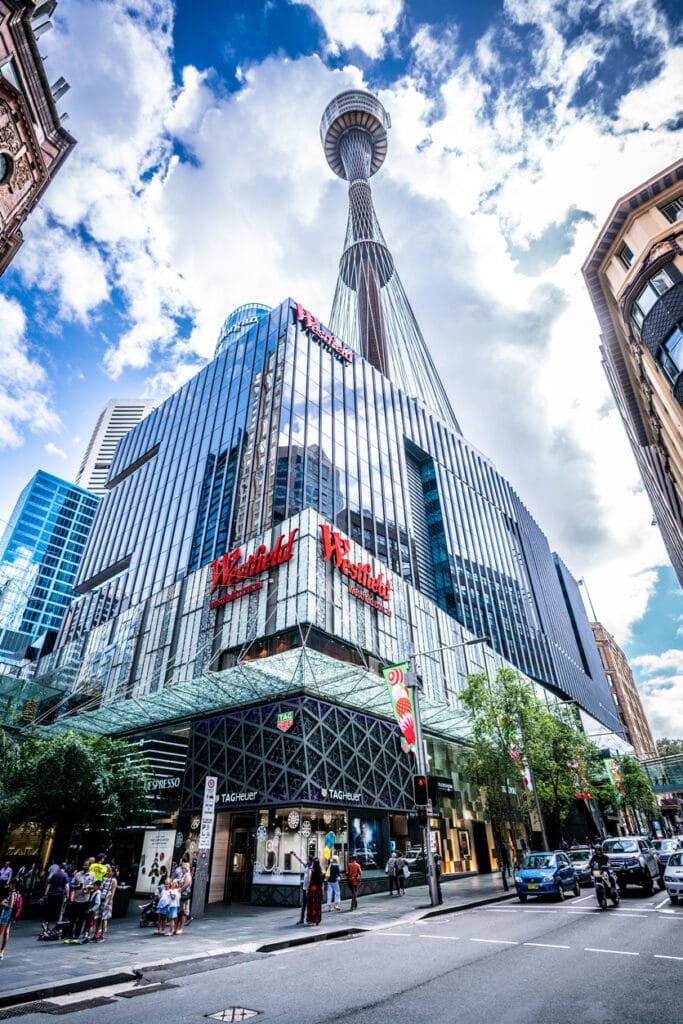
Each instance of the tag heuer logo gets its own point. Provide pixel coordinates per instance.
(285, 721)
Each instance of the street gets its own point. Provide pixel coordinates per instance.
(541, 963)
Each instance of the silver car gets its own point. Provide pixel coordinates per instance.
(673, 876)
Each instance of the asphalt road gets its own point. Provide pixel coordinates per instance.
(540, 963)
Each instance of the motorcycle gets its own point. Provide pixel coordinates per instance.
(605, 887)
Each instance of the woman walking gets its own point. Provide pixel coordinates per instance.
(315, 893)
(7, 910)
(107, 891)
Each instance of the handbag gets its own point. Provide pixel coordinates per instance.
(406, 871)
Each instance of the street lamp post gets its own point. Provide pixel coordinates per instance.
(422, 760)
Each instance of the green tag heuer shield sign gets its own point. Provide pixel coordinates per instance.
(285, 720)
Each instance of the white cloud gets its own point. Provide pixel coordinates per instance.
(660, 679)
(357, 23)
(54, 451)
(25, 398)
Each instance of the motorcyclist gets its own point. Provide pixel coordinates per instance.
(600, 861)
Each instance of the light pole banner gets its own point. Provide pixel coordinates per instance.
(401, 697)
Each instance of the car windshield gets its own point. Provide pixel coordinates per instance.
(577, 855)
(676, 860)
(620, 846)
(538, 860)
(665, 844)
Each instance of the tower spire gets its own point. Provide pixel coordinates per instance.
(370, 310)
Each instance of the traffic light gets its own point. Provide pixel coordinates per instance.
(422, 817)
(420, 790)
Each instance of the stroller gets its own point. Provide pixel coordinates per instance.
(55, 931)
(148, 911)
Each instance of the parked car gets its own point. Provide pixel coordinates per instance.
(546, 874)
(415, 858)
(579, 856)
(673, 876)
(634, 862)
(663, 849)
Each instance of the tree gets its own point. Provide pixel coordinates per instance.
(72, 779)
(9, 776)
(639, 797)
(499, 709)
(667, 747)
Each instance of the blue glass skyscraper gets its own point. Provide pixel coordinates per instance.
(40, 552)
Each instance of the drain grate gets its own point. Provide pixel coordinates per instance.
(232, 1013)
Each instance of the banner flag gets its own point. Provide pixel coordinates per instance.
(401, 697)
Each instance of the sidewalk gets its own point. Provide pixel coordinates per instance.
(33, 970)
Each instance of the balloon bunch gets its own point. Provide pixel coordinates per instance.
(329, 846)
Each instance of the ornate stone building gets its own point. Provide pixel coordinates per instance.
(634, 274)
(624, 693)
(33, 141)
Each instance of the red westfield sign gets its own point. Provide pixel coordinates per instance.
(229, 571)
(337, 548)
(312, 325)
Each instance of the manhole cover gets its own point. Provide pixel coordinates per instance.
(233, 1013)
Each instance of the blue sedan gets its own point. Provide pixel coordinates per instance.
(546, 874)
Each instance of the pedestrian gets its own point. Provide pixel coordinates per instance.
(81, 887)
(391, 874)
(163, 907)
(401, 867)
(184, 897)
(173, 905)
(94, 904)
(8, 910)
(333, 891)
(307, 865)
(315, 893)
(107, 892)
(353, 876)
(56, 892)
(99, 866)
(5, 878)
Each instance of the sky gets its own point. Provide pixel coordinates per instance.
(199, 183)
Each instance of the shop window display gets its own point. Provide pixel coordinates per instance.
(287, 836)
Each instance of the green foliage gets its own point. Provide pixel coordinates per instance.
(667, 747)
(73, 779)
(511, 725)
(638, 793)
(9, 776)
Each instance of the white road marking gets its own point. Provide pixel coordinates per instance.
(498, 942)
(539, 911)
(618, 952)
(581, 911)
(582, 899)
(390, 935)
(545, 945)
(499, 910)
(663, 956)
(665, 900)
(621, 913)
(453, 938)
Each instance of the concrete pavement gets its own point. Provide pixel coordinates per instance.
(33, 970)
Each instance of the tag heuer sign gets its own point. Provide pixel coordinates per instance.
(285, 720)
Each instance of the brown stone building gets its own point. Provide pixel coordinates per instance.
(634, 274)
(33, 142)
(625, 693)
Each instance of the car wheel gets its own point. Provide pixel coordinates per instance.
(648, 886)
(560, 891)
(522, 897)
(674, 899)
(577, 888)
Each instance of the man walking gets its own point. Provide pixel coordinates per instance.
(304, 888)
(354, 873)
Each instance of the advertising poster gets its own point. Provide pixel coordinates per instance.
(157, 852)
(364, 840)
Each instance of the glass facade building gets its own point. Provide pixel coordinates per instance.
(40, 552)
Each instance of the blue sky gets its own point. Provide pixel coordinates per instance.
(198, 183)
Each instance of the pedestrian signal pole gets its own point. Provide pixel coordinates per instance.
(420, 789)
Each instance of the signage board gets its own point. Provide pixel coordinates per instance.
(208, 813)
(230, 571)
(336, 549)
(326, 338)
(157, 852)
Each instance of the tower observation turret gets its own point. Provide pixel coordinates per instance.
(370, 310)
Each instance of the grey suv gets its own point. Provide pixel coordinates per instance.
(634, 862)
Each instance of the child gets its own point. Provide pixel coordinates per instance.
(163, 907)
(174, 897)
(94, 912)
(8, 910)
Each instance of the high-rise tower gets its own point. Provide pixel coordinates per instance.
(370, 308)
(118, 417)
